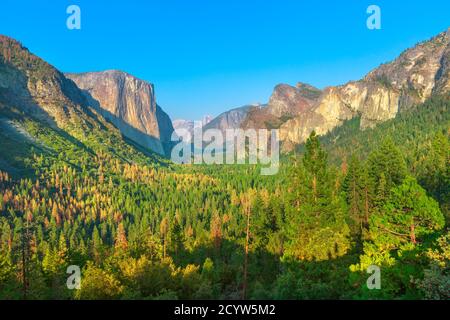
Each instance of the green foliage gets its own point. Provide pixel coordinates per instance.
(397, 236)
(141, 228)
(408, 216)
(98, 284)
(317, 229)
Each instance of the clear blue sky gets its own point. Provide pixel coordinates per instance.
(205, 57)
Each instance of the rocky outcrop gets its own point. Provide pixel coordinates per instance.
(287, 100)
(391, 88)
(443, 74)
(231, 119)
(129, 103)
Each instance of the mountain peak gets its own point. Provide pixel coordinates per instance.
(289, 100)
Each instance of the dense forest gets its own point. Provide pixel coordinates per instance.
(142, 228)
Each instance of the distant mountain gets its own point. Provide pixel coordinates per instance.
(181, 125)
(207, 119)
(411, 130)
(190, 125)
(285, 103)
(76, 103)
(130, 104)
(291, 101)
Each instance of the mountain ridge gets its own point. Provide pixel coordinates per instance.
(408, 80)
(130, 104)
(385, 91)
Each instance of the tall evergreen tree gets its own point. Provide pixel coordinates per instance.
(387, 166)
(358, 188)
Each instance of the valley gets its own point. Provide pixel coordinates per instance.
(85, 180)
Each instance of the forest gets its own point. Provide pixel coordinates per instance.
(140, 227)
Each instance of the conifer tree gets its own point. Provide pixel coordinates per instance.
(121, 243)
(407, 216)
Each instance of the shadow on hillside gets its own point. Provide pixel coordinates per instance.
(18, 104)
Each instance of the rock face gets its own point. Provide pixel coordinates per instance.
(443, 74)
(291, 101)
(285, 103)
(31, 85)
(410, 79)
(129, 103)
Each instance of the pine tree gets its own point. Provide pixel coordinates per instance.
(315, 163)
(99, 285)
(163, 230)
(354, 190)
(434, 171)
(216, 231)
(97, 245)
(177, 237)
(316, 213)
(247, 199)
(358, 188)
(9, 286)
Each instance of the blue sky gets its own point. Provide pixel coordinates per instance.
(207, 56)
